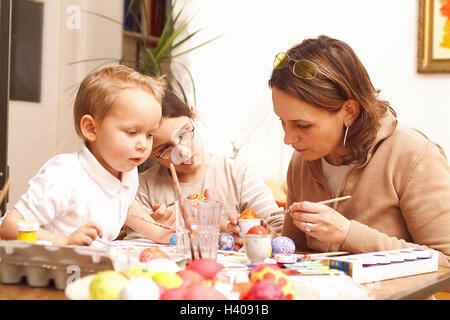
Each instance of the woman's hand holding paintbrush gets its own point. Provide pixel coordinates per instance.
(320, 221)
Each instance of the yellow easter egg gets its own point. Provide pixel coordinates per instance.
(107, 285)
(139, 272)
(167, 279)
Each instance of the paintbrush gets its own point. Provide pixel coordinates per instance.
(183, 208)
(321, 202)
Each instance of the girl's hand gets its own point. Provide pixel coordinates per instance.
(320, 221)
(84, 235)
(233, 229)
(163, 214)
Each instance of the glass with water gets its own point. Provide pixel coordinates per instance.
(204, 218)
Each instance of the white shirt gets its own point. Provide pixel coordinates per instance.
(71, 190)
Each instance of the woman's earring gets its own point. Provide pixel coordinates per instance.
(345, 135)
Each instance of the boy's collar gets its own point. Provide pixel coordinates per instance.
(99, 174)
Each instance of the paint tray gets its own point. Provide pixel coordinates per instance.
(43, 264)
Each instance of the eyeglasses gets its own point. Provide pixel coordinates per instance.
(185, 138)
(302, 68)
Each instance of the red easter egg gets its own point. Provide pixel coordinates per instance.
(206, 267)
(265, 290)
(258, 230)
(202, 292)
(152, 253)
(173, 294)
(190, 277)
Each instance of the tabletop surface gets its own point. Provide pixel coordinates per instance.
(412, 287)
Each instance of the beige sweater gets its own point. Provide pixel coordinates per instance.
(400, 196)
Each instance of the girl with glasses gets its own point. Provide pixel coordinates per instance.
(231, 182)
(348, 141)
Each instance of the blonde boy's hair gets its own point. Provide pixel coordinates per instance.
(101, 88)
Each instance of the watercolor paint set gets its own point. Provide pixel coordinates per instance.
(382, 265)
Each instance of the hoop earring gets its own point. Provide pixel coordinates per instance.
(345, 135)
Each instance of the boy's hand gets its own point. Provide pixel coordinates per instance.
(84, 235)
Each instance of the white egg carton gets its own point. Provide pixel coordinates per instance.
(42, 263)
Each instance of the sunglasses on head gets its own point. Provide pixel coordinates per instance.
(302, 68)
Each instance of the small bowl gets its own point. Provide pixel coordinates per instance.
(246, 224)
(257, 247)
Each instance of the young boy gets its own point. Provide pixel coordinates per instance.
(77, 197)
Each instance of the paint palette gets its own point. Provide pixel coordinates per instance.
(382, 265)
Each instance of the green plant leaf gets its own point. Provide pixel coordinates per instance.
(196, 47)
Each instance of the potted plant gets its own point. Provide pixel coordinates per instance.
(152, 58)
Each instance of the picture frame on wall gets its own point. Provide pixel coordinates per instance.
(434, 36)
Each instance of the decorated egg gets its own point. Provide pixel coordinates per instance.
(282, 245)
(208, 268)
(243, 288)
(140, 288)
(168, 280)
(248, 214)
(173, 240)
(258, 230)
(265, 290)
(196, 197)
(152, 253)
(107, 285)
(190, 277)
(163, 265)
(278, 277)
(226, 241)
(138, 272)
(174, 294)
(203, 292)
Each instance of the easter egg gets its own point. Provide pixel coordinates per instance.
(208, 268)
(190, 277)
(162, 265)
(203, 292)
(168, 280)
(196, 197)
(173, 240)
(174, 294)
(258, 230)
(107, 285)
(242, 288)
(261, 266)
(138, 272)
(226, 241)
(248, 214)
(140, 288)
(265, 290)
(278, 277)
(282, 245)
(152, 253)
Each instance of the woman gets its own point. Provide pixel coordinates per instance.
(229, 181)
(348, 142)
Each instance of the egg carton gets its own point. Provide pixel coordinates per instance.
(43, 264)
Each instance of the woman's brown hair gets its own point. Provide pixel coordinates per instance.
(343, 77)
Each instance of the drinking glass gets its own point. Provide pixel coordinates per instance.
(204, 218)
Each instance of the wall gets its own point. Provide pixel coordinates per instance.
(231, 73)
(38, 131)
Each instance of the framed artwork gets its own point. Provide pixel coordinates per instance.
(434, 36)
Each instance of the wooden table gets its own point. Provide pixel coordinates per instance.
(412, 287)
